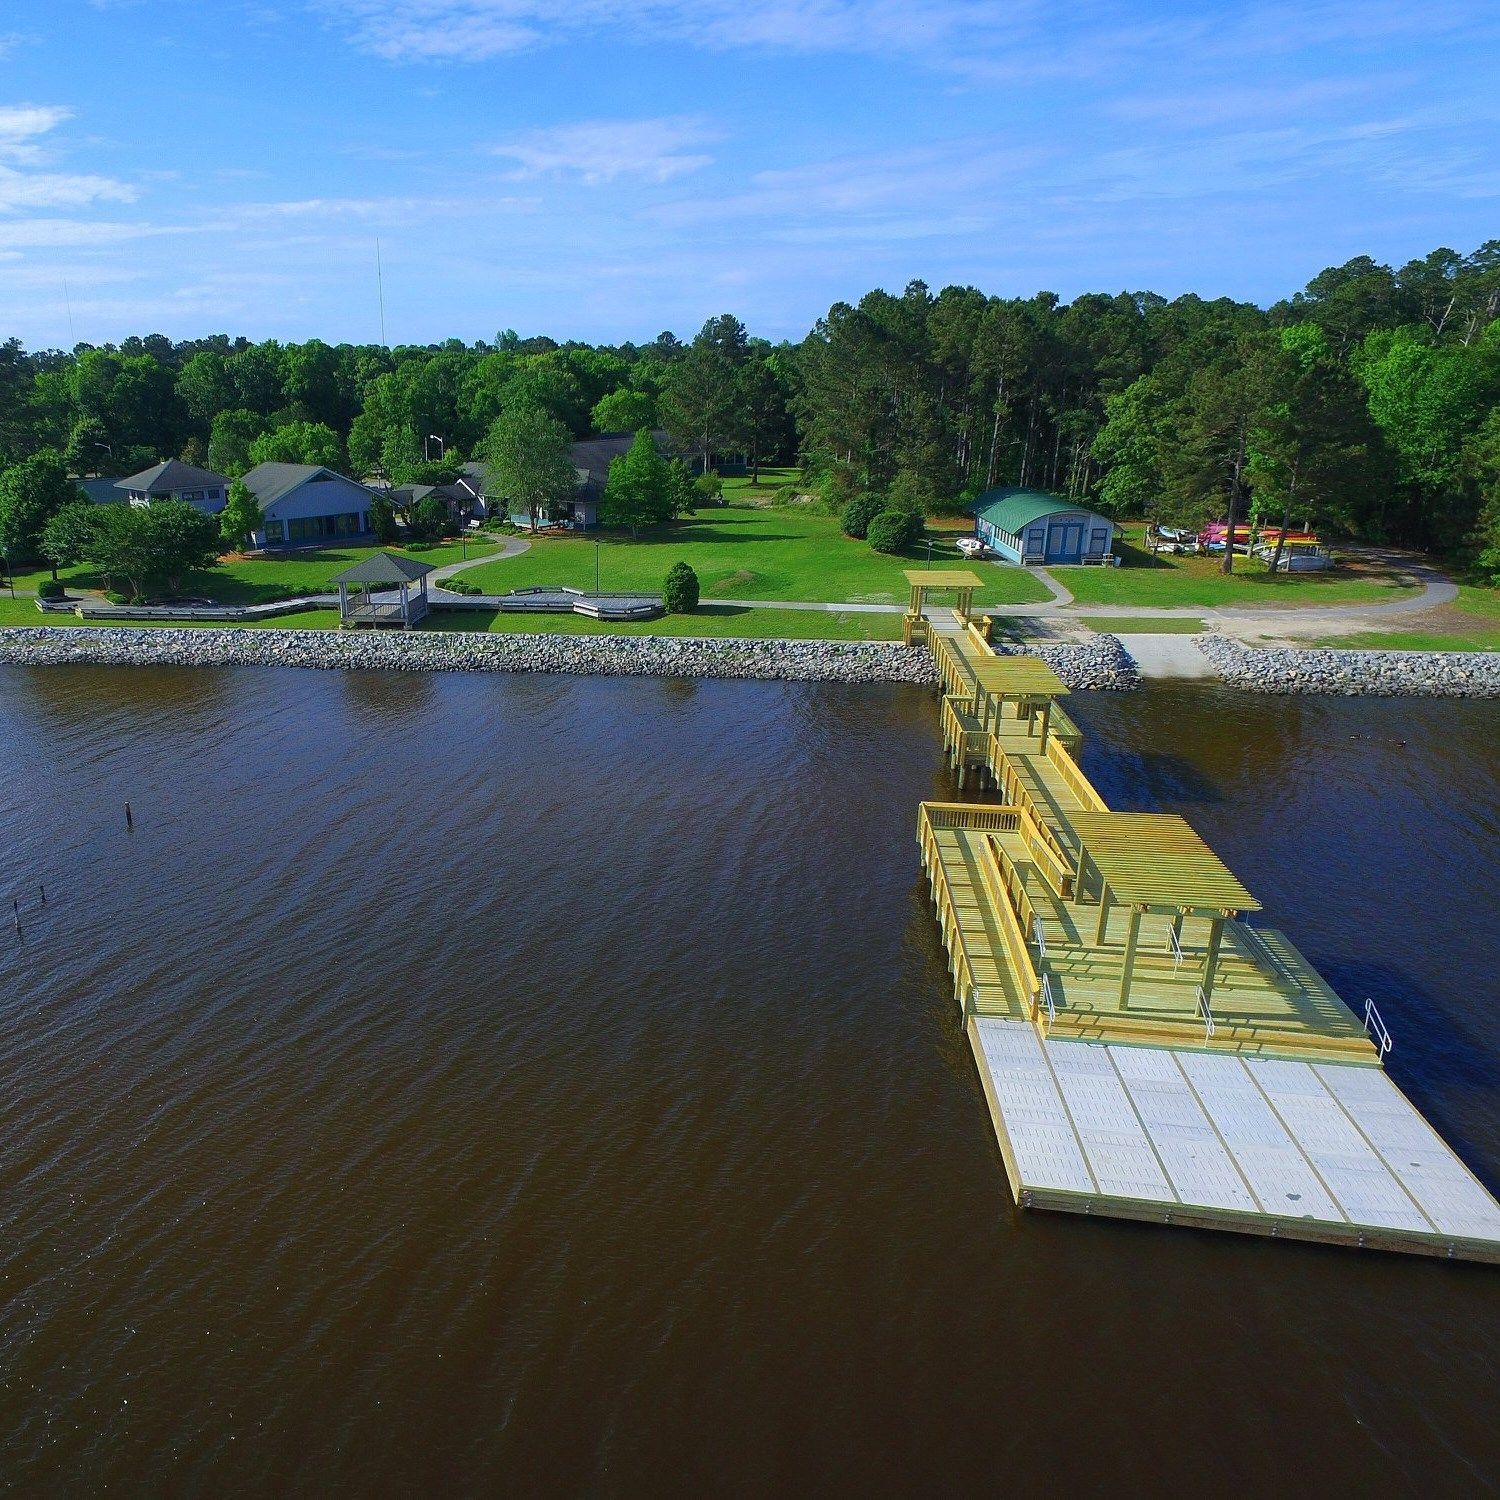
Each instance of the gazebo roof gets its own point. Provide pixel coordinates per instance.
(385, 567)
(1018, 677)
(943, 578)
(1157, 859)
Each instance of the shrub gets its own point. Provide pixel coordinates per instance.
(420, 546)
(859, 512)
(894, 530)
(459, 586)
(51, 588)
(679, 592)
(115, 596)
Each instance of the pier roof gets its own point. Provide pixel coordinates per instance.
(943, 578)
(1158, 859)
(1018, 677)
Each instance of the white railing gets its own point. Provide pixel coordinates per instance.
(1039, 936)
(1174, 947)
(1048, 1004)
(1207, 1012)
(1376, 1028)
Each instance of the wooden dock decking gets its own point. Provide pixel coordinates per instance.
(1146, 1052)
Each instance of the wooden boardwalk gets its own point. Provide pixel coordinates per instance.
(1149, 1051)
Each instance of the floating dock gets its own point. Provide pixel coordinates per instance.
(1148, 1052)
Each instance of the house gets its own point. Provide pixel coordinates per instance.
(1029, 526)
(175, 480)
(591, 459)
(464, 497)
(306, 505)
(102, 491)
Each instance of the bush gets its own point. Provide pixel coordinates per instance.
(894, 530)
(51, 588)
(459, 586)
(115, 596)
(420, 546)
(858, 513)
(680, 590)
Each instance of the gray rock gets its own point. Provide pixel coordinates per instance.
(1394, 674)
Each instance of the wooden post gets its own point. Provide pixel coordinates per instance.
(1211, 962)
(1132, 932)
(1103, 922)
(1046, 722)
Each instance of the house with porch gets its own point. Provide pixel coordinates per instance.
(306, 505)
(175, 480)
(1032, 527)
(591, 459)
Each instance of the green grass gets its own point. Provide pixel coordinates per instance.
(740, 552)
(723, 620)
(260, 580)
(1164, 581)
(1413, 640)
(1141, 624)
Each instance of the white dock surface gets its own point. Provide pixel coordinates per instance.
(1316, 1150)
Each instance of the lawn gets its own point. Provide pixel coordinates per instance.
(1470, 623)
(261, 580)
(724, 620)
(1197, 582)
(745, 552)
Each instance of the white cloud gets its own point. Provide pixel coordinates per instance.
(21, 128)
(605, 150)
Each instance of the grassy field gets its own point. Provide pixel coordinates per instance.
(1470, 623)
(260, 580)
(1163, 581)
(723, 620)
(745, 552)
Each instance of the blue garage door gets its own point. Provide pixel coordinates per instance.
(1066, 542)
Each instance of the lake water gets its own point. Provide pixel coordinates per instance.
(544, 1085)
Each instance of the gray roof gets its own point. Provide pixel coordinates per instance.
(102, 491)
(384, 567)
(165, 478)
(272, 482)
(590, 459)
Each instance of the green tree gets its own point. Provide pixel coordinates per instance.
(68, 533)
(527, 451)
(180, 539)
(894, 531)
(31, 492)
(299, 443)
(761, 409)
(859, 511)
(230, 440)
(639, 490)
(241, 517)
(701, 403)
(680, 591)
(623, 410)
(383, 521)
(429, 519)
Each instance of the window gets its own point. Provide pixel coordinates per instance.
(275, 532)
(192, 496)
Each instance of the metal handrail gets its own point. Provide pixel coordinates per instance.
(1174, 947)
(1047, 1000)
(1207, 1012)
(1375, 1026)
(1040, 936)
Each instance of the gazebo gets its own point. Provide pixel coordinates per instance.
(958, 581)
(366, 597)
(1156, 863)
(1026, 681)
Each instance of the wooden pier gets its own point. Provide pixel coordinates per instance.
(1148, 1049)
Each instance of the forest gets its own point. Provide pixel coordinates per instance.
(1367, 404)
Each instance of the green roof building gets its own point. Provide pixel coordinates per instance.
(1031, 526)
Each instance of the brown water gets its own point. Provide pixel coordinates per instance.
(541, 1085)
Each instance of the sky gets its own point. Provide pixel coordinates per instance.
(607, 169)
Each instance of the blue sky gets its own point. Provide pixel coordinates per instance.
(604, 169)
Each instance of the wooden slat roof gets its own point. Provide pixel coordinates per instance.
(1018, 676)
(943, 578)
(1157, 859)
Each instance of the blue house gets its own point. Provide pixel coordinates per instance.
(307, 505)
(1030, 526)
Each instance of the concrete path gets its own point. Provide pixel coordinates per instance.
(1175, 656)
(510, 546)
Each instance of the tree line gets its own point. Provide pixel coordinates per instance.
(1365, 404)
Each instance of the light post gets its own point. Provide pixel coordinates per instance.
(10, 577)
(432, 437)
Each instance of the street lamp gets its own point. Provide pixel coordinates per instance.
(432, 437)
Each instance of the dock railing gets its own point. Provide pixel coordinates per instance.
(1206, 1011)
(1073, 777)
(1014, 916)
